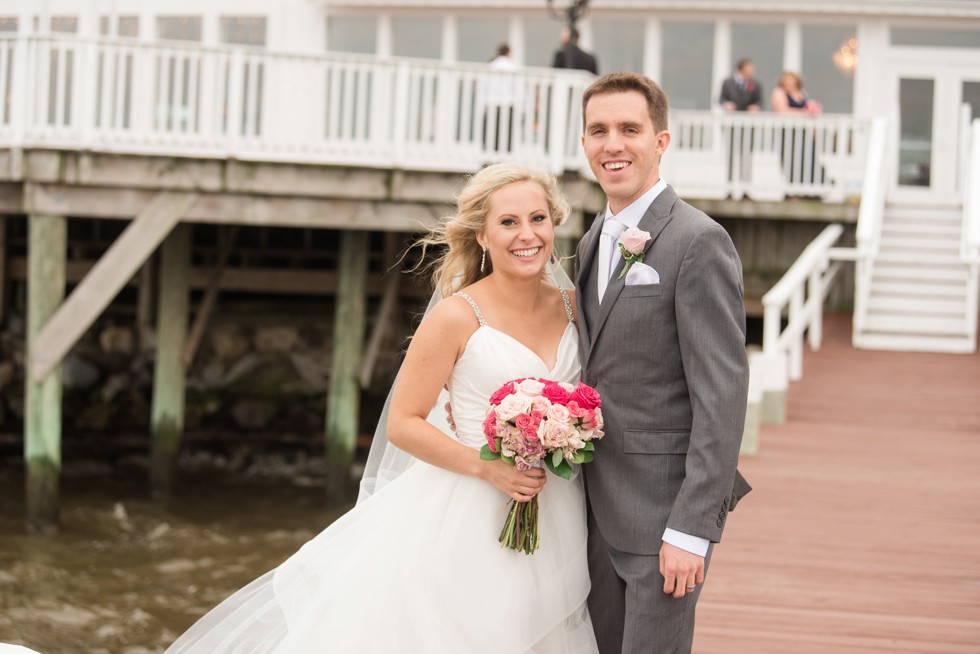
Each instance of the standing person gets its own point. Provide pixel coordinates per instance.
(416, 567)
(798, 139)
(502, 94)
(741, 91)
(664, 344)
(789, 97)
(572, 56)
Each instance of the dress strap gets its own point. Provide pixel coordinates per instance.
(568, 304)
(476, 309)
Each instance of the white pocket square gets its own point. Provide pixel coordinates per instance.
(640, 273)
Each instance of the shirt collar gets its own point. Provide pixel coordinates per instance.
(632, 213)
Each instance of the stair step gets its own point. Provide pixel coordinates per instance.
(923, 212)
(953, 230)
(903, 270)
(915, 307)
(922, 259)
(903, 343)
(932, 245)
(907, 325)
(917, 287)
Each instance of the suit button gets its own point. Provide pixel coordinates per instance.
(593, 382)
(721, 522)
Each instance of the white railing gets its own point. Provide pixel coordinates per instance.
(170, 98)
(767, 156)
(180, 99)
(870, 217)
(970, 245)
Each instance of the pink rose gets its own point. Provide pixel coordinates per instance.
(558, 412)
(523, 421)
(530, 387)
(555, 434)
(532, 445)
(574, 410)
(536, 418)
(555, 393)
(598, 420)
(512, 405)
(634, 240)
(540, 404)
(586, 397)
(490, 425)
(501, 393)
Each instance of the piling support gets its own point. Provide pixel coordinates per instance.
(167, 413)
(46, 252)
(343, 395)
(3, 269)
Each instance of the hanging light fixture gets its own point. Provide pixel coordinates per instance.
(845, 57)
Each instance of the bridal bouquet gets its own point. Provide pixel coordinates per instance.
(534, 421)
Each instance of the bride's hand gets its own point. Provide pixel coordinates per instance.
(521, 486)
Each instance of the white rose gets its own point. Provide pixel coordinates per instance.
(530, 387)
(512, 405)
(558, 412)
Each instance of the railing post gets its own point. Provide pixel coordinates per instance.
(559, 128)
(796, 348)
(85, 90)
(399, 136)
(815, 295)
(771, 326)
(19, 88)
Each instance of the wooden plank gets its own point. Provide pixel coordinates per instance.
(47, 248)
(167, 411)
(343, 396)
(861, 532)
(210, 298)
(116, 267)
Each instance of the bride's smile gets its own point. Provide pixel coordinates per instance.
(519, 232)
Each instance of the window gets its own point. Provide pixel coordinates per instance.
(128, 26)
(619, 45)
(480, 38)
(417, 37)
(827, 79)
(763, 44)
(917, 36)
(8, 24)
(540, 41)
(65, 24)
(354, 34)
(688, 51)
(243, 30)
(179, 28)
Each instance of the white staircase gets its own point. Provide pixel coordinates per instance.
(920, 288)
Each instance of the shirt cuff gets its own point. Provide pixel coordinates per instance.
(686, 542)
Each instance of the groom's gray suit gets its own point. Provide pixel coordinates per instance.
(669, 361)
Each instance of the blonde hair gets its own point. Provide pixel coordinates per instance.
(459, 265)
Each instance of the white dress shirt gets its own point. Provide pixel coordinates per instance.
(630, 216)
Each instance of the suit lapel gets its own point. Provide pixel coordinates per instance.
(653, 221)
(587, 302)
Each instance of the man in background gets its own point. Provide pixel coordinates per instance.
(741, 92)
(572, 56)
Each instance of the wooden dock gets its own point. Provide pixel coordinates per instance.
(863, 532)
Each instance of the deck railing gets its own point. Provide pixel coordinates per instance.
(870, 217)
(970, 244)
(172, 98)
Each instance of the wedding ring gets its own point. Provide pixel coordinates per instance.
(692, 587)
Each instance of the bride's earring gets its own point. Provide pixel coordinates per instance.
(554, 258)
(483, 259)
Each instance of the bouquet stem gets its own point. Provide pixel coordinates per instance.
(520, 530)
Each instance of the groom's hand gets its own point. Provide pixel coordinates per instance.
(680, 570)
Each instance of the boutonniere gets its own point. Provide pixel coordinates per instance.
(632, 243)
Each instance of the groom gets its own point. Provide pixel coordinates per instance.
(665, 346)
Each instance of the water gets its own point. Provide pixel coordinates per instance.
(128, 574)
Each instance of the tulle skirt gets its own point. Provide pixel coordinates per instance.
(417, 568)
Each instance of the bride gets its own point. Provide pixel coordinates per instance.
(416, 567)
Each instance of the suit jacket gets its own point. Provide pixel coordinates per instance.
(670, 363)
(572, 56)
(742, 97)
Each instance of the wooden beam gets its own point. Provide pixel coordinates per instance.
(382, 324)
(3, 269)
(47, 248)
(116, 267)
(167, 412)
(204, 311)
(343, 396)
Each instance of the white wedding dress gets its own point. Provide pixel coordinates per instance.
(417, 567)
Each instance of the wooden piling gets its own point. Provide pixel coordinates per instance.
(167, 413)
(47, 249)
(343, 396)
(3, 269)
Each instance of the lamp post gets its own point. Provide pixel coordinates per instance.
(572, 13)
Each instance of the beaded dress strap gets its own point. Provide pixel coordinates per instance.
(476, 309)
(568, 304)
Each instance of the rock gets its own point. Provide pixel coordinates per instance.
(117, 340)
(228, 342)
(240, 368)
(312, 369)
(115, 385)
(273, 340)
(253, 414)
(76, 372)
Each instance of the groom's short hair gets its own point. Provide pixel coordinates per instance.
(623, 82)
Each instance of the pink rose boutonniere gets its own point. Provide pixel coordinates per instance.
(631, 245)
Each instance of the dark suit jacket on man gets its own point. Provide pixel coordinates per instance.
(670, 363)
(743, 96)
(572, 56)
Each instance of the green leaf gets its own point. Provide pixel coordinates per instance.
(486, 454)
(589, 457)
(564, 470)
(508, 460)
(578, 457)
(557, 458)
(589, 447)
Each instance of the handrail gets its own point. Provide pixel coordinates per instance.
(970, 244)
(870, 218)
(185, 99)
(803, 288)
